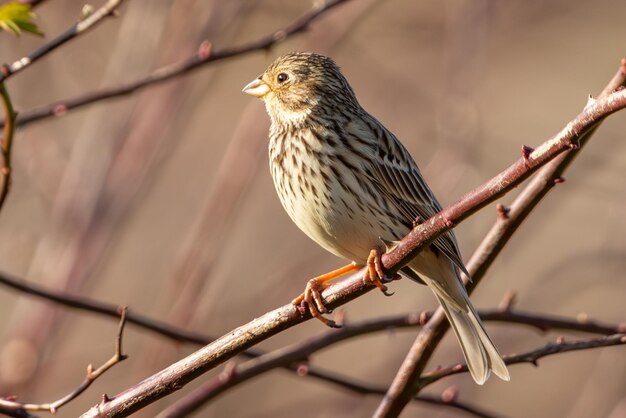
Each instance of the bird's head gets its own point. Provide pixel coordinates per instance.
(300, 84)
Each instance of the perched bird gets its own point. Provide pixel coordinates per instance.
(351, 186)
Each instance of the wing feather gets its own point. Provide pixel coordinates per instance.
(394, 173)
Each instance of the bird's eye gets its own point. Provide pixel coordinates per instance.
(282, 77)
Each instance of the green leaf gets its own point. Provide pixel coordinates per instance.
(17, 17)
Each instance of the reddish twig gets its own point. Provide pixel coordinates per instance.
(541, 322)
(78, 28)
(296, 356)
(92, 375)
(182, 372)
(6, 146)
(168, 72)
(532, 357)
(406, 384)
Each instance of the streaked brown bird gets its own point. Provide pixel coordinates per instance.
(352, 187)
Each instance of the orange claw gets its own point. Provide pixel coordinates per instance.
(312, 293)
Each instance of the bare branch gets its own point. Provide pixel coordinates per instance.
(10, 404)
(107, 309)
(406, 383)
(7, 143)
(182, 372)
(81, 26)
(202, 57)
(532, 357)
(296, 356)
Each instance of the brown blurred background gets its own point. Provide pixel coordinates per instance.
(163, 201)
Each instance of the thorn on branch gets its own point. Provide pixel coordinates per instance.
(229, 372)
(558, 180)
(590, 101)
(59, 110)
(5, 70)
(279, 35)
(417, 221)
(105, 399)
(423, 318)
(560, 339)
(574, 145)
(508, 301)
(502, 211)
(302, 369)
(526, 151)
(204, 50)
(622, 66)
(450, 394)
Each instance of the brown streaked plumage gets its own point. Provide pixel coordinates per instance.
(351, 186)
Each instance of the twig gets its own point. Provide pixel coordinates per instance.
(541, 322)
(81, 26)
(532, 357)
(182, 372)
(107, 309)
(406, 384)
(92, 375)
(202, 57)
(7, 143)
(296, 356)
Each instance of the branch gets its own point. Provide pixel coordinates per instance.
(406, 384)
(182, 372)
(7, 143)
(532, 357)
(204, 56)
(296, 356)
(78, 28)
(10, 404)
(505, 314)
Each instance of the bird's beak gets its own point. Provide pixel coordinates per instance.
(257, 88)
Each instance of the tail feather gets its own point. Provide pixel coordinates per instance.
(481, 355)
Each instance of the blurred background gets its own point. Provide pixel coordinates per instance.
(163, 201)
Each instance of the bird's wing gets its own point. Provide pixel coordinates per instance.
(395, 174)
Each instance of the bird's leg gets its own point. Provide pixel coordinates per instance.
(374, 273)
(312, 292)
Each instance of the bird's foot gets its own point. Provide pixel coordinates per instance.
(312, 297)
(375, 274)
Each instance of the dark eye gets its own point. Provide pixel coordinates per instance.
(282, 77)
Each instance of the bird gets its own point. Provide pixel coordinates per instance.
(349, 184)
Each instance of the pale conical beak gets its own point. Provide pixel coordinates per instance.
(257, 88)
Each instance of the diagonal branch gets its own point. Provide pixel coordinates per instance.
(10, 404)
(182, 372)
(204, 56)
(296, 356)
(82, 26)
(406, 384)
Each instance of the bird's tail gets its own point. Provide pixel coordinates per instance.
(481, 355)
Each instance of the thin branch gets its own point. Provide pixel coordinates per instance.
(7, 143)
(532, 357)
(542, 322)
(92, 375)
(107, 309)
(203, 56)
(296, 356)
(82, 26)
(182, 372)
(406, 384)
